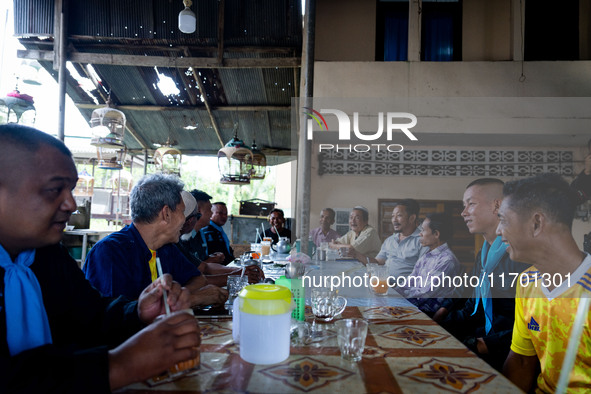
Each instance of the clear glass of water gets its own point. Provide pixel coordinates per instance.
(235, 284)
(351, 334)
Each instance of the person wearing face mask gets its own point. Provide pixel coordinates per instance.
(124, 262)
(362, 240)
(277, 222)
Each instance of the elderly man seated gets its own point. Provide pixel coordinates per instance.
(426, 294)
(361, 238)
(124, 262)
(215, 273)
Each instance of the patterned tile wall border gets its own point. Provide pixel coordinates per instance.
(444, 162)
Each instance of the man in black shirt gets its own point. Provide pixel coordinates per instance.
(60, 335)
(277, 222)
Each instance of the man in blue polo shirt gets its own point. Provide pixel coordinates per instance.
(215, 236)
(124, 263)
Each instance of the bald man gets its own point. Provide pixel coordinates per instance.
(57, 334)
(484, 322)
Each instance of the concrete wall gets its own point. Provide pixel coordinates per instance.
(345, 30)
(441, 80)
(486, 30)
(345, 68)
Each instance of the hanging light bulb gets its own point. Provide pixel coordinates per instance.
(259, 163)
(187, 19)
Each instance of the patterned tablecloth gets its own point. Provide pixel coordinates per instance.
(405, 352)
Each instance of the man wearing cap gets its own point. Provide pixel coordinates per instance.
(361, 238)
(124, 263)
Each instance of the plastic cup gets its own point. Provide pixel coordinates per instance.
(351, 334)
(266, 248)
(184, 367)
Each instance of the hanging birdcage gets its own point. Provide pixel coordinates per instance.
(235, 162)
(108, 129)
(259, 163)
(168, 159)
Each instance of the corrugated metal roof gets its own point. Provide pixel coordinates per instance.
(149, 28)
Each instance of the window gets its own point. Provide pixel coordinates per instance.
(392, 31)
(551, 30)
(441, 31)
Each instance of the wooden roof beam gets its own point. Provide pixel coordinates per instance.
(240, 108)
(163, 61)
(222, 5)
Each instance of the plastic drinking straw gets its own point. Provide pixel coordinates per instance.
(258, 237)
(242, 273)
(573, 344)
(276, 231)
(263, 227)
(164, 293)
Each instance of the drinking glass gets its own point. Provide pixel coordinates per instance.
(344, 252)
(378, 278)
(326, 304)
(351, 334)
(266, 248)
(255, 250)
(235, 284)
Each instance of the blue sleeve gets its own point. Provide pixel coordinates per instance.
(176, 264)
(98, 269)
(113, 269)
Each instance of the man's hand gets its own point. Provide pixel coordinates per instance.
(217, 257)
(154, 349)
(481, 346)
(521, 370)
(440, 314)
(209, 294)
(151, 304)
(255, 274)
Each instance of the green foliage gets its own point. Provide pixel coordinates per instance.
(200, 173)
(202, 179)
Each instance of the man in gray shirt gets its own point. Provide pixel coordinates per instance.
(402, 249)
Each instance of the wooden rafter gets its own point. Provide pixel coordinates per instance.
(243, 108)
(163, 61)
(221, 19)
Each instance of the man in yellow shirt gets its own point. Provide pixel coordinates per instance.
(535, 221)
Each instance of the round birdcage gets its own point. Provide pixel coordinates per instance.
(259, 163)
(235, 162)
(168, 160)
(108, 129)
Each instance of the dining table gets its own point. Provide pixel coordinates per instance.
(405, 352)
